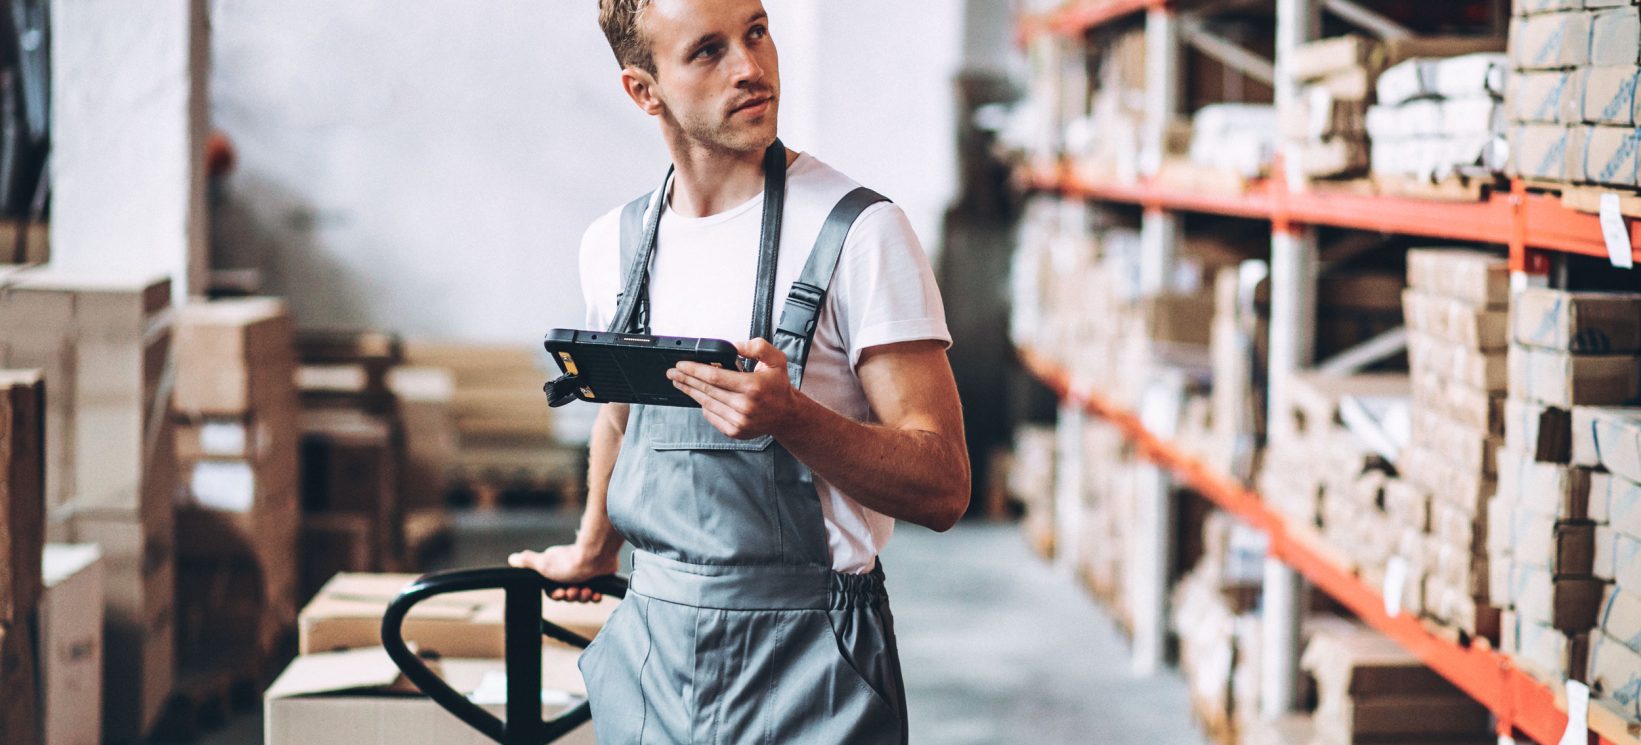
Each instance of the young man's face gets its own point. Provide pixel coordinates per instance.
(717, 73)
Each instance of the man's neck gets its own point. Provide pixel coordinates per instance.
(707, 181)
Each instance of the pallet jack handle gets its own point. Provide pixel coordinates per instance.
(524, 627)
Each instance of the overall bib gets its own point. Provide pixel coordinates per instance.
(735, 628)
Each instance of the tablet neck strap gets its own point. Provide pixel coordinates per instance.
(632, 306)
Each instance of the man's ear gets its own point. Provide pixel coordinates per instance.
(640, 87)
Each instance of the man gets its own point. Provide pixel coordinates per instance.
(757, 611)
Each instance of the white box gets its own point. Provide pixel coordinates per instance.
(1609, 95)
(1615, 36)
(1548, 97)
(1552, 41)
(71, 644)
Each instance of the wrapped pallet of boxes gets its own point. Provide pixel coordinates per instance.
(1370, 689)
(349, 500)
(238, 514)
(1326, 133)
(71, 644)
(1438, 117)
(104, 345)
(342, 688)
(22, 535)
(1457, 315)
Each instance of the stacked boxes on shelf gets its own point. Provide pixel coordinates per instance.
(238, 512)
(1369, 689)
(22, 535)
(1213, 614)
(1457, 309)
(1105, 513)
(1103, 146)
(103, 343)
(1610, 439)
(352, 444)
(1326, 135)
(1568, 349)
(1440, 116)
(1031, 484)
(1573, 107)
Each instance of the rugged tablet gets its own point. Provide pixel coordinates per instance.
(603, 368)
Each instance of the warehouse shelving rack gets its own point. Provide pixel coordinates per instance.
(1535, 227)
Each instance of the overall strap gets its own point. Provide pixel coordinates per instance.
(637, 251)
(796, 332)
(769, 241)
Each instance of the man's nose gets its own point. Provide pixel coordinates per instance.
(745, 66)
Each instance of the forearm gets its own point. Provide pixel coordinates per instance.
(596, 534)
(908, 474)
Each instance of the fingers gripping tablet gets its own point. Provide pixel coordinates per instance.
(603, 367)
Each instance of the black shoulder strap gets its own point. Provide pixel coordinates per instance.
(769, 240)
(637, 245)
(795, 334)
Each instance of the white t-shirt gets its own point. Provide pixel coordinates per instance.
(704, 276)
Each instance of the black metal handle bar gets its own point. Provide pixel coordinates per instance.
(524, 627)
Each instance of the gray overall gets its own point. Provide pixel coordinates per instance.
(736, 629)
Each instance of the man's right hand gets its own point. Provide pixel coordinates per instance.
(568, 564)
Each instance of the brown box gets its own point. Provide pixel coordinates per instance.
(1542, 433)
(358, 696)
(1564, 548)
(1477, 278)
(347, 614)
(1610, 438)
(1445, 482)
(1577, 322)
(349, 465)
(1565, 380)
(1615, 675)
(1178, 319)
(1615, 502)
(426, 396)
(1546, 654)
(71, 644)
(331, 543)
(235, 357)
(1465, 448)
(22, 498)
(1456, 364)
(1470, 326)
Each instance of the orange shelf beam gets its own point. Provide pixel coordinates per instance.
(1534, 222)
(1521, 703)
(1076, 20)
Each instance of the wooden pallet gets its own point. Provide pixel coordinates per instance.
(1451, 189)
(1588, 199)
(494, 475)
(427, 533)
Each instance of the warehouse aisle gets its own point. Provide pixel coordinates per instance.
(997, 648)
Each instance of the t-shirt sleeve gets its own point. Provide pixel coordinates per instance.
(884, 291)
(599, 256)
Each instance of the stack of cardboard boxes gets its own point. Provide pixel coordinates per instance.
(1610, 439)
(1326, 135)
(1458, 320)
(1031, 484)
(71, 644)
(1568, 349)
(22, 532)
(1369, 690)
(103, 343)
(1213, 615)
(1437, 117)
(1573, 106)
(237, 511)
(1104, 145)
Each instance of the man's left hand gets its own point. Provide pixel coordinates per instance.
(742, 405)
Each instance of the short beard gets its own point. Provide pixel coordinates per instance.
(720, 133)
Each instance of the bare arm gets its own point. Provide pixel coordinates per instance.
(597, 547)
(911, 465)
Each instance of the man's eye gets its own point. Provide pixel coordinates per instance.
(710, 50)
(759, 32)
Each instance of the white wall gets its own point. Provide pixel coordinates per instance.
(429, 167)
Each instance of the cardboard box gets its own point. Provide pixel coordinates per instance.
(1542, 151)
(1621, 616)
(1615, 502)
(71, 644)
(331, 543)
(1550, 41)
(1455, 321)
(1615, 675)
(22, 498)
(1609, 95)
(1548, 97)
(1546, 489)
(1335, 156)
(350, 465)
(1455, 486)
(1608, 156)
(1578, 322)
(1537, 432)
(1569, 604)
(425, 397)
(1565, 380)
(235, 356)
(1617, 558)
(1462, 447)
(1565, 548)
(358, 697)
(347, 614)
(1407, 505)
(1360, 662)
(1610, 438)
(1549, 655)
(1456, 364)
(1615, 36)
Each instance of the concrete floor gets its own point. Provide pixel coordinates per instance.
(996, 647)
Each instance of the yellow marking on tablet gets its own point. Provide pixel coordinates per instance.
(587, 392)
(569, 364)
